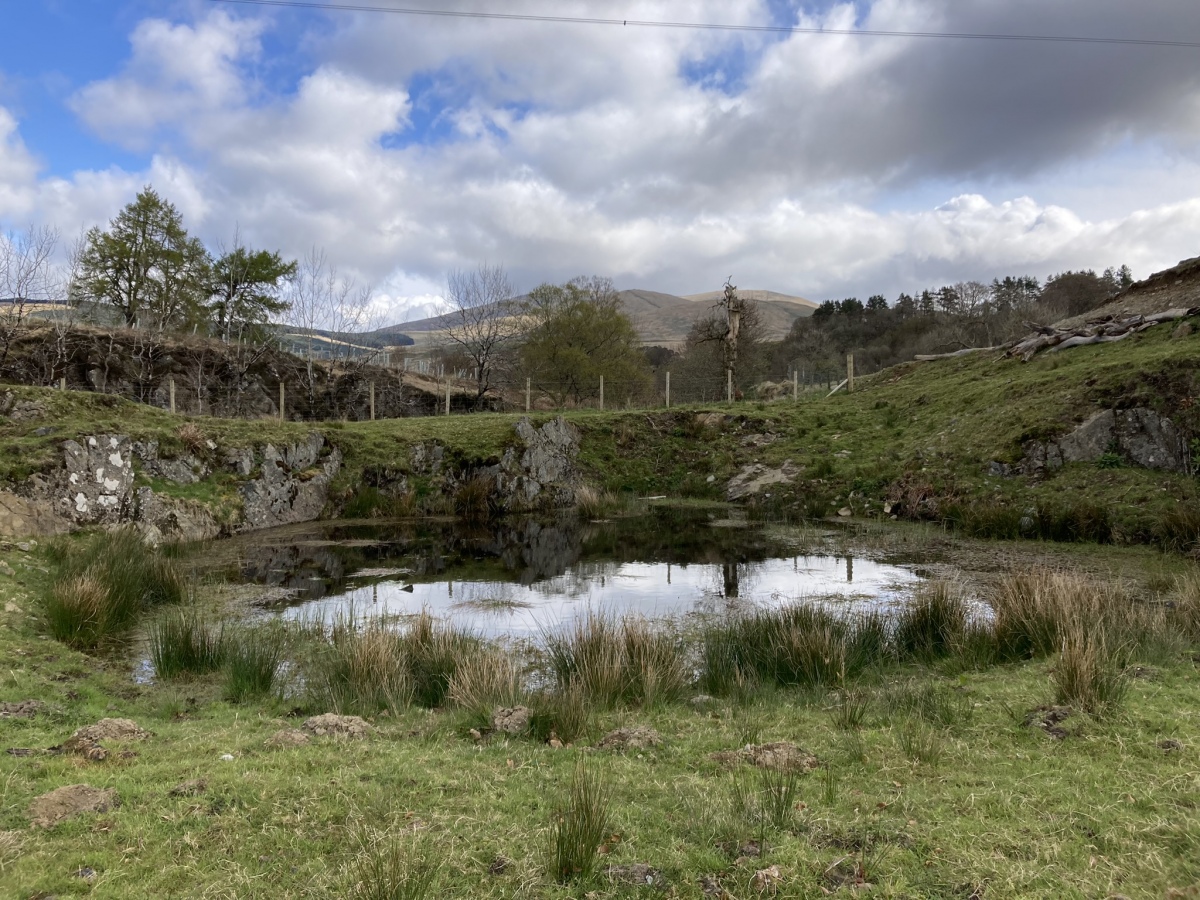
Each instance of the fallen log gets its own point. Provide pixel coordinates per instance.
(926, 357)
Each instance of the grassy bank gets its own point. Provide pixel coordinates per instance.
(938, 770)
(918, 438)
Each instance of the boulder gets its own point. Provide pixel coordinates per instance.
(1139, 436)
(754, 477)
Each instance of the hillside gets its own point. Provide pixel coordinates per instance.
(1173, 288)
(662, 319)
(976, 441)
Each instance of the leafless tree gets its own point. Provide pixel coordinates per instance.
(481, 320)
(28, 278)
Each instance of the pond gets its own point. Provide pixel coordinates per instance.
(520, 577)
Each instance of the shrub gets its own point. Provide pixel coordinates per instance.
(578, 826)
(184, 643)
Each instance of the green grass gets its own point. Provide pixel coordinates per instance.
(920, 439)
(253, 658)
(939, 790)
(103, 584)
(184, 643)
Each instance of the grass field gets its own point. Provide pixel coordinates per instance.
(930, 780)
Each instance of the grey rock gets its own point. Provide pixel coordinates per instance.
(161, 518)
(1140, 436)
(754, 477)
(511, 719)
(97, 485)
(239, 460)
(287, 491)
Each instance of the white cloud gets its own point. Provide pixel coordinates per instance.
(569, 150)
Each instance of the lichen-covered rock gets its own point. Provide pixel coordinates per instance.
(187, 469)
(333, 725)
(97, 485)
(161, 518)
(291, 487)
(1140, 437)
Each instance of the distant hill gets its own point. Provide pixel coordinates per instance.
(659, 318)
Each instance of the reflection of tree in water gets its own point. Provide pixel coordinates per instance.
(734, 579)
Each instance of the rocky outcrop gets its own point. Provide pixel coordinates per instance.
(1137, 437)
(96, 487)
(24, 516)
(754, 477)
(293, 484)
(161, 518)
(537, 473)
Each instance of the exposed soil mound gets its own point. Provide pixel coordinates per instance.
(1050, 719)
(781, 756)
(639, 737)
(638, 874)
(73, 800)
(20, 709)
(289, 737)
(119, 730)
(511, 720)
(333, 725)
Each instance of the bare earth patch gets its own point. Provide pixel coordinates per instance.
(72, 800)
(781, 756)
(289, 737)
(112, 730)
(637, 874)
(333, 725)
(639, 737)
(21, 709)
(1049, 719)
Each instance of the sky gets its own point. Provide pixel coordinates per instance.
(821, 165)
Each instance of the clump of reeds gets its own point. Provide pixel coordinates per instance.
(484, 682)
(610, 661)
(596, 504)
(564, 713)
(366, 667)
(1089, 675)
(101, 587)
(933, 624)
(393, 868)
(253, 657)
(182, 642)
(360, 669)
(799, 645)
(475, 499)
(578, 826)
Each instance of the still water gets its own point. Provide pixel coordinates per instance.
(524, 576)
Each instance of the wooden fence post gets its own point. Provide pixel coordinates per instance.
(795, 385)
(372, 401)
(668, 390)
(526, 395)
(447, 396)
(849, 373)
(62, 383)
(729, 385)
(282, 412)
(601, 392)
(171, 390)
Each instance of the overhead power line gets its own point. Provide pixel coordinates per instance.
(708, 26)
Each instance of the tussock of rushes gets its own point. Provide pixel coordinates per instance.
(474, 500)
(183, 643)
(933, 624)
(253, 657)
(101, 587)
(578, 826)
(484, 682)
(359, 670)
(610, 662)
(394, 868)
(1183, 615)
(564, 714)
(367, 667)
(595, 504)
(1088, 675)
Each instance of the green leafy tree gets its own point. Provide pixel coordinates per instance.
(245, 290)
(145, 265)
(577, 333)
